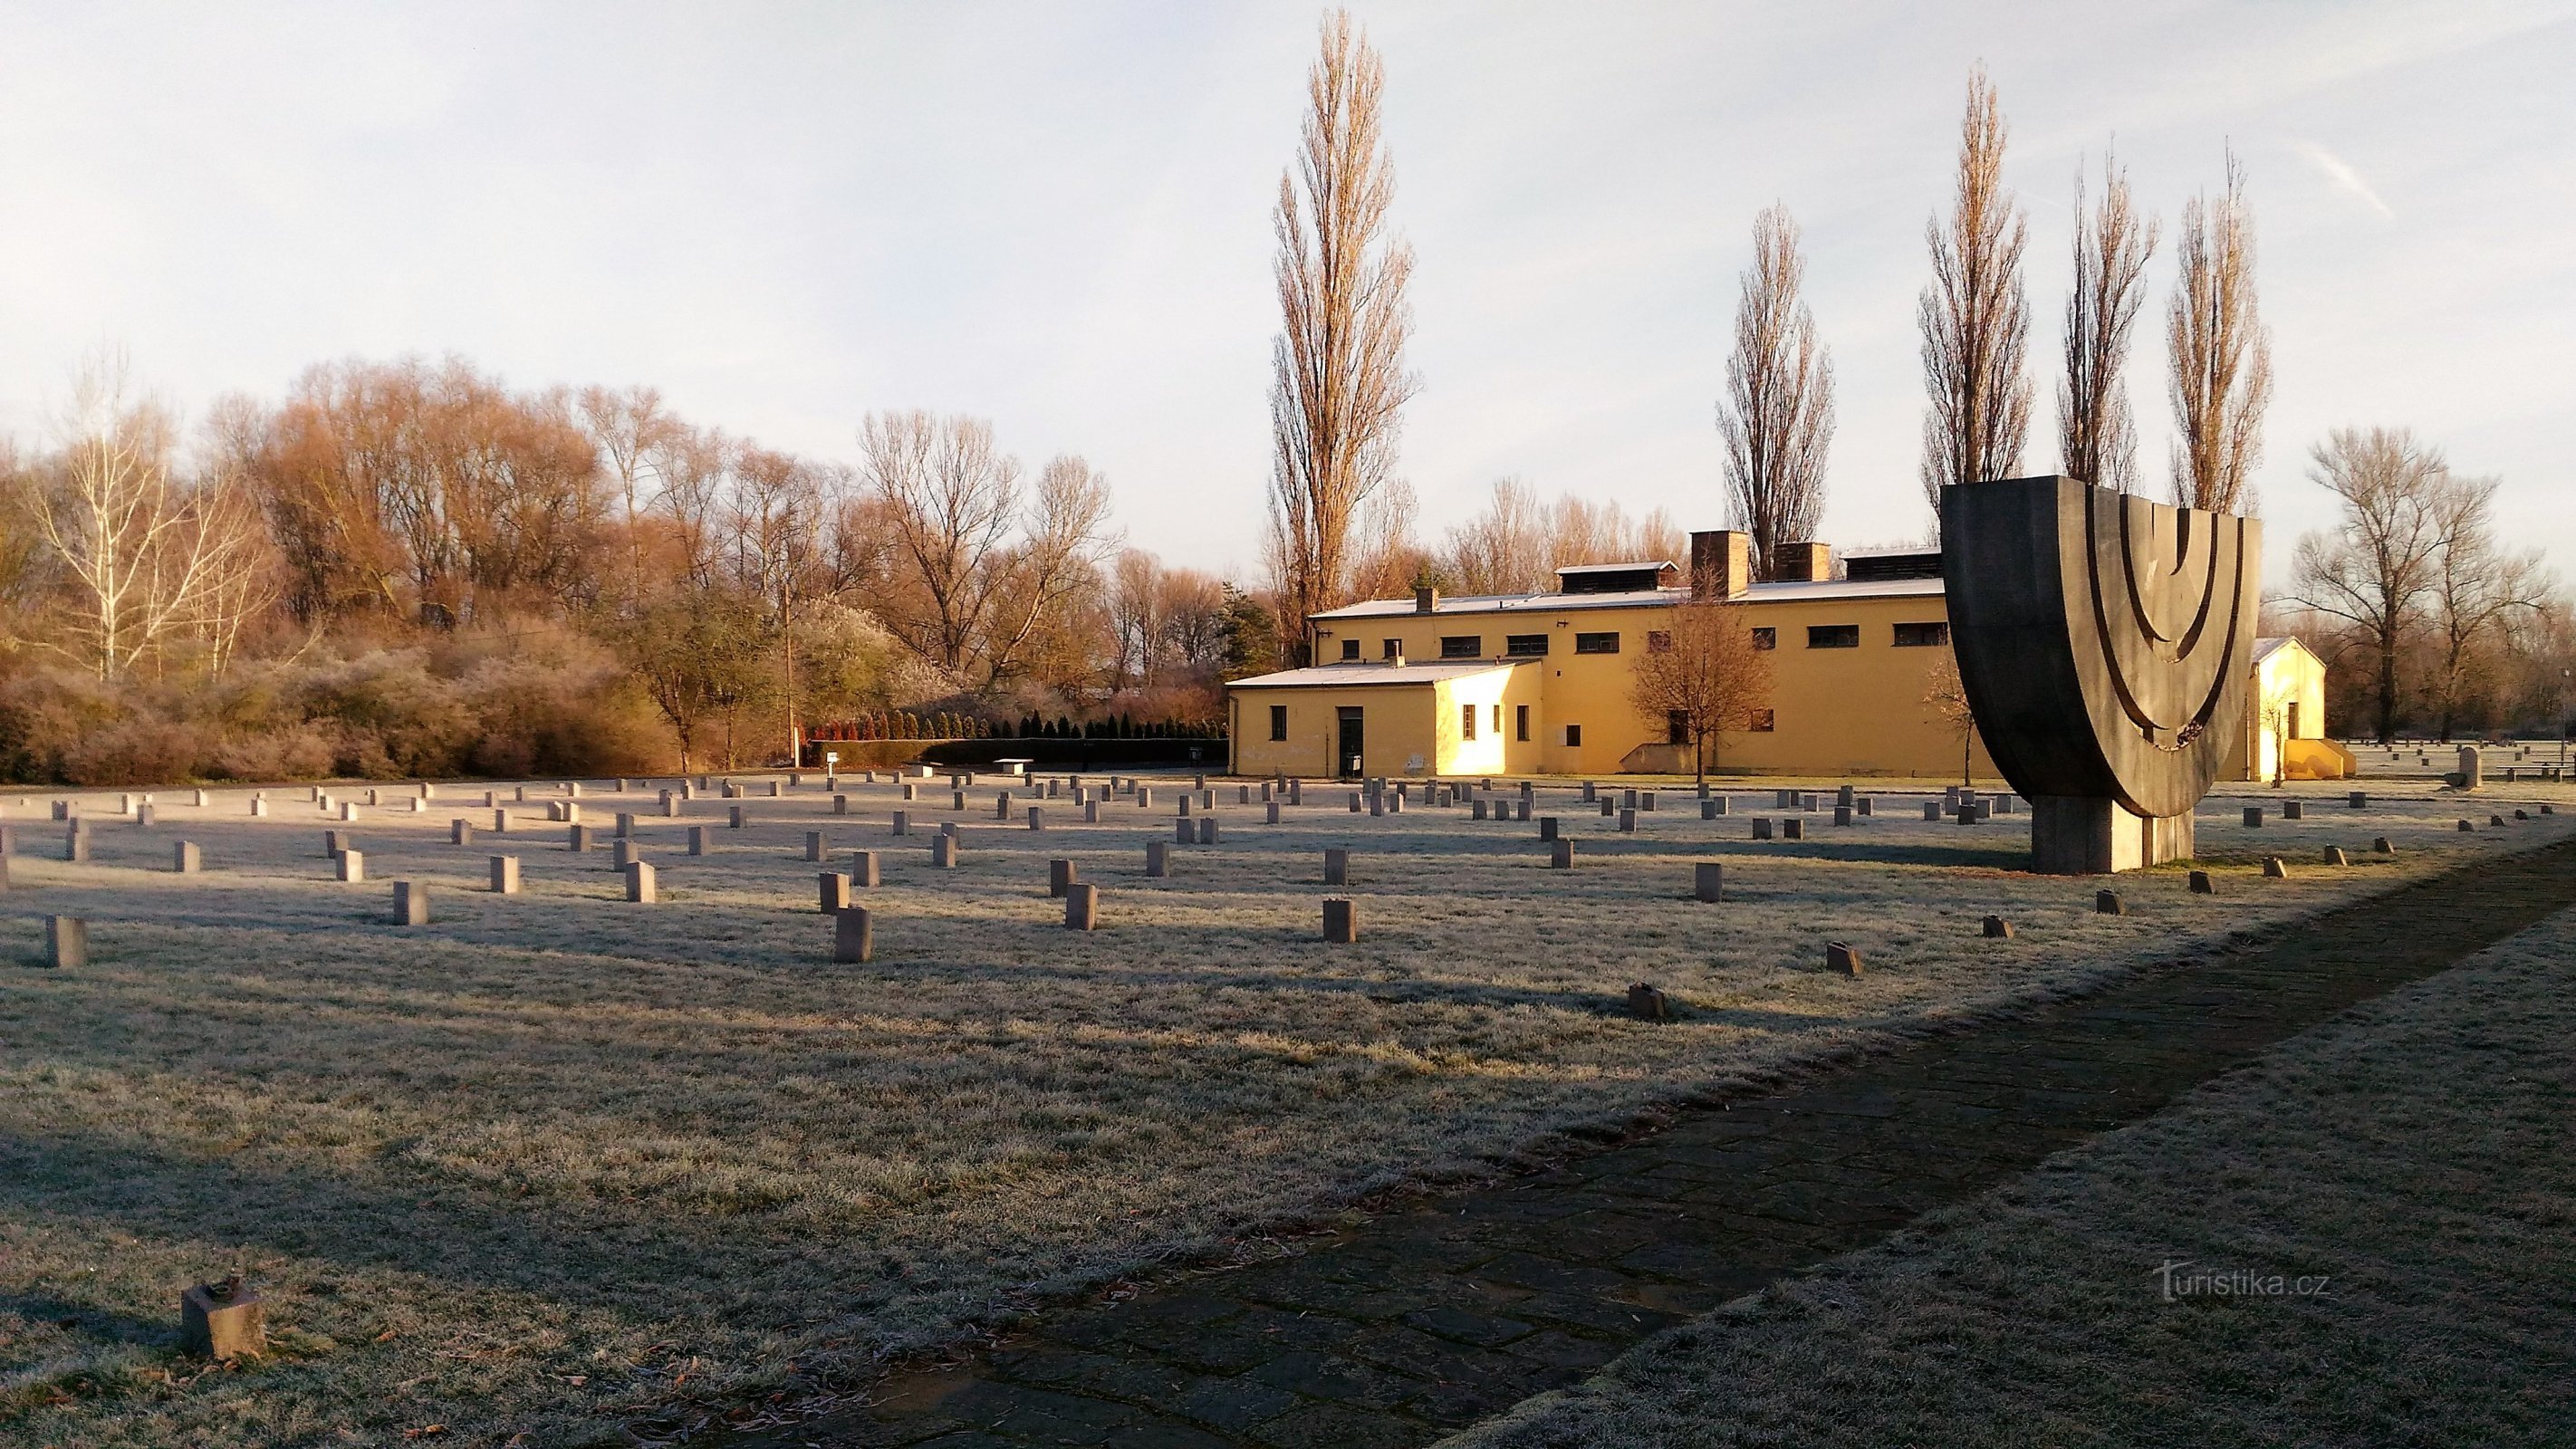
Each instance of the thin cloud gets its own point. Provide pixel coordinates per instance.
(2340, 172)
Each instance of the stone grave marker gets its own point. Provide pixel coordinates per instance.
(185, 858)
(1158, 860)
(864, 872)
(2274, 868)
(943, 851)
(2253, 817)
(1647, 1004)
(902, 822)
(353, 865)
(1060, 874)
(1081, 907)
(1793, 828)
(2108, 903)
(1341, 920)
(626, 854)
(2334, 856)
(853, 936)
(813, 846)
(222, 1321)
(2201, 884)
(697, 840)
(1337, 865)
(1761, 827)
(1708, 882)
(577, 839)
(1998, 929)
(2379, 846)
(66, 942)
(1207, 830)
(459, 833)
(1841, 959)
(1932, 810)
(505, 875)
(735, 820)
(832, 892)
(1842, 815)
(1560, 854)
(411, 903)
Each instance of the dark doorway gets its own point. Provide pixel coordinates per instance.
(1347, 759)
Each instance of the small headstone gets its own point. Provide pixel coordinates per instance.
(1560, 855)
(2495, 822)
(334, 842)
(459, 833)
(697, 840)
(184, 857)
(1932, 810)
(1712, 807)
(1341, 920)
(2466, 827)
(1628, 822)
(1998, 929)
(943, 851)
(2522, 815)
(1842, 815)
(145, 815)
(505, 875)
(2201, 885)
(1761, 827)
(853, 936)
(1270, 813)
(625, 825)
(1521, 809)
(2472, 776)
(2274, 869)
(353, 865)
(625, 854)
(1081, 907)
(833, 891)
(1091, 812)
(1591, 792)
(2334, 856)
(1158, 860)
(1060, 874)
(222, 1321)
(2253, 816)
(670, 805)
(1476, 811)
(1843, 796)
(1841, 959)
(258, 807)
(1337, 865)
(902, 822)
(1609, 806)
(1037, 817)
(840, 804)
(735, 820)
(1547, 827)
(201, 800)
(1647, 1004)
(2107, 903)
(1207, 830)
(411, 903)
(1793, 828)
(500, 822)
(1002, 806)
(2294, 810)
(1183, 833)
(577, 839)
(1708, 881)
(813, 845)
(2379, 846)
(66, 942)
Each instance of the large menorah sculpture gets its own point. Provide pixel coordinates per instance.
(2104, 643)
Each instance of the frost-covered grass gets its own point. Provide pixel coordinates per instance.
(555, 1162)
(2368, 1235)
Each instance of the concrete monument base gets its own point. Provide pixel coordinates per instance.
(2092, 835)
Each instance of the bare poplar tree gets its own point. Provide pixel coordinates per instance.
(1339, 384)
(1777, 417)
(1974, 316)
(2221, 353)
(2376, 568)
(2096, 435)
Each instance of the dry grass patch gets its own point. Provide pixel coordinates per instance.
(555, 1162)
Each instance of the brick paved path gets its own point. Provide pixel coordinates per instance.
(1428, 1319)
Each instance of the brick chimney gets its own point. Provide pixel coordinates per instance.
(1721, 564)
(1803, 563)
(1426, 599)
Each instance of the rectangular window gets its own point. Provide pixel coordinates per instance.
(1525, 643)
(1759, 721)
(1394, 648)
(1921, 636)
(1466, 721)
(1833, 636)
(1573, 735)
(1461, 646)
(1350, 649)
(1596, 643)
(1676, 726)
(1659, 641)
(1766, 637)
(1520, 723)
(1279, 721)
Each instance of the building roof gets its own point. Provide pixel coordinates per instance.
(1361, 673)
(2266, 647)
(1546, 603)
(1657, 564)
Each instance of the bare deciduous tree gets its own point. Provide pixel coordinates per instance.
(1704, 676)
(951, 500)
(1946, 697)
(2096, 434)
(1059, 558)
(2376, 568)
(1339, 383)
(1502, 550)
(1975, 318)
(147, 557)
(1777, 417)
(632, 432)
(2478, 589)
(2220, 351)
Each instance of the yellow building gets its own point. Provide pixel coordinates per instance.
(1539, 684)
(2285, 719)
(1524, 684)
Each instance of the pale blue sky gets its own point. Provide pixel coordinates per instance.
(1057, 216)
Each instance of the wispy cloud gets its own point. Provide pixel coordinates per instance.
(2340, 172)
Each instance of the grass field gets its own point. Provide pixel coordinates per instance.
(2362, 1239)
(555, 1165)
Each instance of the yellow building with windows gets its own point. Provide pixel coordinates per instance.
(1539, 684)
